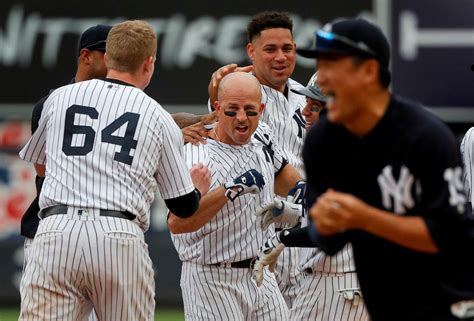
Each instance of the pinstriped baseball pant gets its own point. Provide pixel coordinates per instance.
(225, 293)
(319, 300)
(288, 275)
(26, 250)
(77, 263)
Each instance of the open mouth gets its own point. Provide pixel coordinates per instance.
(242, 129)
(279, 68)
(330, 99)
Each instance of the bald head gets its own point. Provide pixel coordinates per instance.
(239, 82)
(239, 106)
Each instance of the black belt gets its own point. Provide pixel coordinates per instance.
(245, 264)
(62, 209)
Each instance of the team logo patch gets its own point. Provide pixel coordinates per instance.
(396, 195)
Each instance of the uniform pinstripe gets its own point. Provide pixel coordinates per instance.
(467, 152)
(221, 292)
(283, 115)
(109, 146)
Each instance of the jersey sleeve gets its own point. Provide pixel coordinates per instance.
(443, 200)
(36, 114)
(467, 153)
(172, 174)
(34, 150)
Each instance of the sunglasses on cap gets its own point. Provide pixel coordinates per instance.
(336, 43)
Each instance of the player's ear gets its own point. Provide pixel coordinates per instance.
(217, 107)
(148, 64)
(262, 108)
(250, 51)
(85, 56)
(106, 60)
(370, 69)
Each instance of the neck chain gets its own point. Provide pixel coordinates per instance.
(217, 136)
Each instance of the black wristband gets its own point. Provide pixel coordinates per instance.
(296, 237)
(198, 193)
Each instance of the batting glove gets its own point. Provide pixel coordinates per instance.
(296, 194)
(279, 211)
(267, 255)
(249, 182)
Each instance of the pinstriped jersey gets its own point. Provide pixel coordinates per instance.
(467, 152)
(107, 145)
(283, 115)
(234, 233)
(317, 260)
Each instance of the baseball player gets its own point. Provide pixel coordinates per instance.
(105, 147)
(322, 296)
(315, 101)
(90, 65)
(218, 243)
(467, 152)
(272, 51)
(399, 200)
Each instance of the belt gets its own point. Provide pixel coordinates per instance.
(62, 209)
(245, 264)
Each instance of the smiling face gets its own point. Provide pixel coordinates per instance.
(273, 55)
(343, 82)
(238, 107)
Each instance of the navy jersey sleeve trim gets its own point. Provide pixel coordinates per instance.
(184, 206)
(285, 162)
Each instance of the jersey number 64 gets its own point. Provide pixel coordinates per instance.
(126, 142)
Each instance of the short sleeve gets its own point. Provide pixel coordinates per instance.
(34, 150)
(443, 200)
(172, 174)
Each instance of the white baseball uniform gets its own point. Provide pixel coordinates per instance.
(283, 116)
(467, 152)
(106, 146)
(212, 289)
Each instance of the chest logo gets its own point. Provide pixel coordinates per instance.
(298, 118)
(396, 195)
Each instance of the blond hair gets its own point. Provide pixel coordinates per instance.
(129, 44)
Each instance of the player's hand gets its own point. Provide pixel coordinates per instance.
(279, 211)
(296, 194)
(210, 118)
(201, 178)
(267, 255)
(195, 134)
(249, 182)
(336, 212)
(221, 73)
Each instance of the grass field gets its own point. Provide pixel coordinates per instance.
(11, 314)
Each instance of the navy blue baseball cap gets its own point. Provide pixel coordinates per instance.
(350, 36)
(94, 38)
